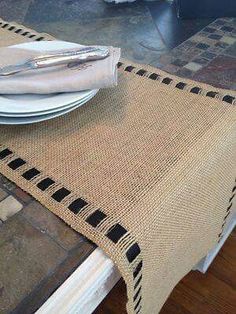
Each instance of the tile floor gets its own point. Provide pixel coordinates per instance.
(38, 251)
(208, 56)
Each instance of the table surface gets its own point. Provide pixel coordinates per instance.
(38, 250)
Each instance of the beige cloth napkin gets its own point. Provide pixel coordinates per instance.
(91, 75)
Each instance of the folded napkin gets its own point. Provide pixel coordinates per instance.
(63, 78)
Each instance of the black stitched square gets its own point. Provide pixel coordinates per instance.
(212, 94)
(141, 72)
(116, 232)
(181, 85)
(226, 216)
(195, 90)
(40, 38)
(45, 183)
(129, 68)
(136, 306)
(30, 174)
(229, 207)
(154, 76)
(234, 189)
(138, 310)
(137, 294)
(77, 205)
(16, 163)
(138, 269)
(228, 99)
(60, 194)
(167, 80)
(138, 282)
(133, 252)
(95, 218)
(119, 64)
(231, 198)
(4, 153)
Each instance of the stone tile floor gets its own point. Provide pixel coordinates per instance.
(38, 251)
(208, 56)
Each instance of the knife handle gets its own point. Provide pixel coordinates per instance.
(67, 57)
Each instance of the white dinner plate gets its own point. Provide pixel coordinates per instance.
(31, 104)
(39, 113)
(40, 118)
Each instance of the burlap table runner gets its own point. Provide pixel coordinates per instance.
(145, 170)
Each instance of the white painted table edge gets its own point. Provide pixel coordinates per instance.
(89, 284)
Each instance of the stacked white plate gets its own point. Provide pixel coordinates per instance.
(31, 108)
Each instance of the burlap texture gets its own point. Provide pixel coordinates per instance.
(145, 170)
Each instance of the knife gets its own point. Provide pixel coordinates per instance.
(53, 59)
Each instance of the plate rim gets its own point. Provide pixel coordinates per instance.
(49, 116)
(49, 111)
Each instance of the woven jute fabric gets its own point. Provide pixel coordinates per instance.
(146, 170)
